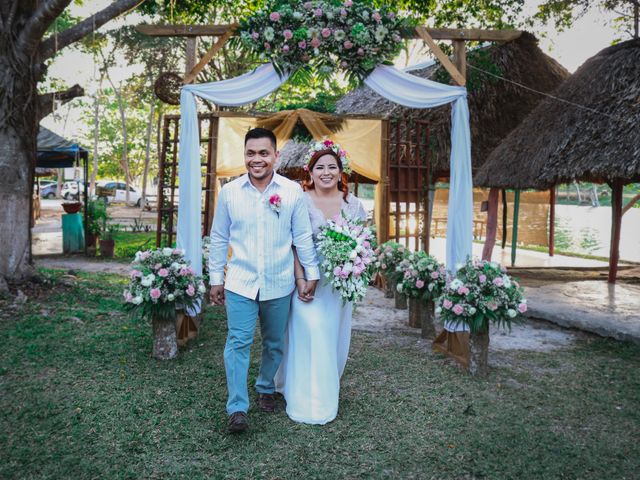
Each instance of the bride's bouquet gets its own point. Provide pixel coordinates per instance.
(347, 247)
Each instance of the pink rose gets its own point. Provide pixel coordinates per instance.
(343, 13)
(145, 255)
(522, 307)
(255, 35)
(157, 266)
(328, 143)
(463, 291)
(492, 306)
(361, 52)
(336, 271)
(347, 45)
(419, 283)
(434, 275)
(267, 46)
(191, 291)
(315, 42)
(178, 251)
(366, 244)
(482, 278)
(127, 296)
(302, 44)
(317, 12)
(163, 272)
(155, 293)
(288, 34)
(498, 282)
(348, 3)
(308, 5)
(326, 32)
(457, 309)
(446, 303)
(377, 17)
(285, 48)
(274, 17)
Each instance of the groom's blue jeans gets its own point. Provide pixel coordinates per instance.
(242, 313)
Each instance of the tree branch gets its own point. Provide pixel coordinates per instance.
(37, 25)
(45, 101)
(628, 206)
(85, 27)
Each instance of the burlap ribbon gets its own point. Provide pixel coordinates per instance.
(320, 125)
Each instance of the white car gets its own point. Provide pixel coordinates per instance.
(69, 190)
(114, 191)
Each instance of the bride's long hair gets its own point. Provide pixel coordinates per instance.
(343, 183)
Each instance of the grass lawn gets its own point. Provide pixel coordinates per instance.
(128, 243)
(80, 397)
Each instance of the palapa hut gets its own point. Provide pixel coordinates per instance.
(589, 132)
(496, 106)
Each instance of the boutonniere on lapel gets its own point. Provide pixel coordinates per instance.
(275, 202)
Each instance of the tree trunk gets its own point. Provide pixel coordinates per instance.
(492, 224)
(479, 354)
(147, 157)
(18, 133)
(575, 184)
(416, 313)
(124, 161)
(401, 300)
(390, 288)
(165, 344)
(96, 137)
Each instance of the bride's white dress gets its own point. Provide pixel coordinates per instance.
(317, 342)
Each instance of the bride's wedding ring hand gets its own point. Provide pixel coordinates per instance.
(301, 285)
(310, 289)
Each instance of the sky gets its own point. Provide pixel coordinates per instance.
(571, 48)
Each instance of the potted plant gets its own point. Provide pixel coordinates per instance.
(161, 282)
(96, 216)
(107, 243)
(423, 280)
(389, 255)
(479, 294)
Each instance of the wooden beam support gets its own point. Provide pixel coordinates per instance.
(191, 53)
(492, 224)
(616, 223)
(552, 221)
(460, 57)
(514, 232)
(206, 58)
(468, 34)
(440, 55)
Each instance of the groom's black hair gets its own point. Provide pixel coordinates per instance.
(261, 133)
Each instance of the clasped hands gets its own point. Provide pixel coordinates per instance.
(306, 290)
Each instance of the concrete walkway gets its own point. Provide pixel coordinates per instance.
(594, 306)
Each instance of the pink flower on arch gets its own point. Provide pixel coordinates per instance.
(498, 282)
(285, 48)
(419, 283)
(274, 16)
(361, 52)
(317, 12)
(302, 44)
(434, 275)
(135, 274)
(315, 42)
(326, 32)
(308, 5)
(457, 309)
(348, 3)
(482, 278)
(347, 45)
(287, 34)
(155, 293)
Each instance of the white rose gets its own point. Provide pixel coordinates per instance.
(506, 281)
(201, 288)
(511, 312)
(175, 266)
(171, 297)
(167, 252)
(438, 310)
(137, 300)
(348, 267)
(472, 310)
(146, 281)
(399, 288)
(353, 254)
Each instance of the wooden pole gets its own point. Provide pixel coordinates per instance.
(552, 221)
(441, 56)
(616, 223)
(504, 218)
(492, 224)
(514, 233)
(191, 53)
(383, 228)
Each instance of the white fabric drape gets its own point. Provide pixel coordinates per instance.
(415, 92)
(236, 91)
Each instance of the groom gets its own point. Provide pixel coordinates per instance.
(261, 216)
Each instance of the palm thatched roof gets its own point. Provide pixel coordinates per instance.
(560, 142)
(496, 106)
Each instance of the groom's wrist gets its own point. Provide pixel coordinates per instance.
(216, 278)
(312, 273)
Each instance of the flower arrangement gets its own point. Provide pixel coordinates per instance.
(422, 277)
(162, 281)
(481, 292)
(388, 256)
(328, 145)
(322, 34)
(348, 260)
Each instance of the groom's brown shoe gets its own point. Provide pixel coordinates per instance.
(238, 422)
(267, 402)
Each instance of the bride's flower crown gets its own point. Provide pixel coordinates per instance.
(327, 145)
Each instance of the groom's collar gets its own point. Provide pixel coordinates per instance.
(278, 179)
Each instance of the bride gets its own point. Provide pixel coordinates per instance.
(319, 331)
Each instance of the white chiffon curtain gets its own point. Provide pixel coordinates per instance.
(397, 86)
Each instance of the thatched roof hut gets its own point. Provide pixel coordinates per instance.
(496, 106)
(291, 159)
(560, 142)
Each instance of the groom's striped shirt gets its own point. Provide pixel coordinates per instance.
(260, 239)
